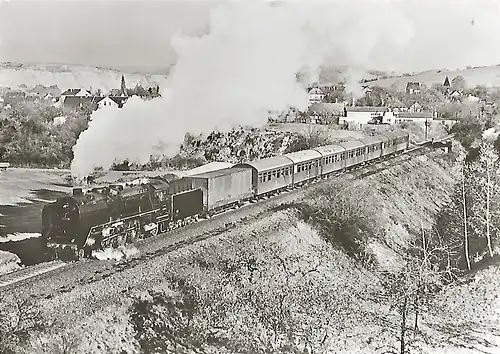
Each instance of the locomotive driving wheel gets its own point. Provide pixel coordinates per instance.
(153, 232)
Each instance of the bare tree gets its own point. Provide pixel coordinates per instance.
(461, 174)
(19, 319)
(426, 270)
(484, 183)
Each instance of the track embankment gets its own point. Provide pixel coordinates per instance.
(405, 193)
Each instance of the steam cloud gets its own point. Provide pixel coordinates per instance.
(244, 67)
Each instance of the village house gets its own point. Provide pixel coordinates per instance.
(109, 101)
(316, 95)
(455, 95)
(106, 102)
(327, 87)
(76, 93)
(412, 87)
(79, 103)
(361, 116)
(326, 113)
(78, 99)
(416, 107)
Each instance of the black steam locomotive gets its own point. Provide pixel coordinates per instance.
(116, 215)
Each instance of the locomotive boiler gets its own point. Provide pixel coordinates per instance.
(116, 215)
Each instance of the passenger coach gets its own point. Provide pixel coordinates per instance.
(271, 174)
(306, 165)
(355, 152)
(333, 158)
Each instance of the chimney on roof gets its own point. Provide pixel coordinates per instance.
(353, 101)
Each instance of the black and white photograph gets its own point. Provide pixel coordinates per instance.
(250, 176)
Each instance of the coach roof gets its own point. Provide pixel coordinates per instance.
(218, 173)
(370, 140)
(270, 163)
(303, 156)
(352, 144)
(329, 149)
(393, 135)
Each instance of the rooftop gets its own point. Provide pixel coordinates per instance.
(366, 109)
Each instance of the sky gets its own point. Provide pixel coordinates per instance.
(137, 33)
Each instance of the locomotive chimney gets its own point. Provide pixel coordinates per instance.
(77, 192)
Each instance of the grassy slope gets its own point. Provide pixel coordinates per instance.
(488, 75)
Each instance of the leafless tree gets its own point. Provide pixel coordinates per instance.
(412, 287)
(19, 319)
(484, 183)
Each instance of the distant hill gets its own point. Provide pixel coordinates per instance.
(73, 76)
(487, 75)
(331, 75)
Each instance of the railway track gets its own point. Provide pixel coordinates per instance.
(30, 272)
(360, 171)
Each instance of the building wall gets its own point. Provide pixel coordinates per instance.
(361, 117)
(415, 120)
(315, 98)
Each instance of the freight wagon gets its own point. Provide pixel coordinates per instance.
(223, 188)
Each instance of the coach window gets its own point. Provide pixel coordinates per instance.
(278, 173)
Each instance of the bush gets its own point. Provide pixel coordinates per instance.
(339, 213)
(28, 136)
(308, 140)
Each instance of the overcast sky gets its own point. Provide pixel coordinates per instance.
(108, 33)
(136, 33)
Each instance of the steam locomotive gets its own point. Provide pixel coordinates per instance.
(116, 215)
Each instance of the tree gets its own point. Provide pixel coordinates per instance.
(19, 319)
(484, 181)
(409, 290)
(458, 83)
(464, 202)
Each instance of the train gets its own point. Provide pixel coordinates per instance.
(116, 215)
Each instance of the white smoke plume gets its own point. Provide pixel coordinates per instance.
(244, 67)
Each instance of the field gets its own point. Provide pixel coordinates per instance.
(488, 76)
